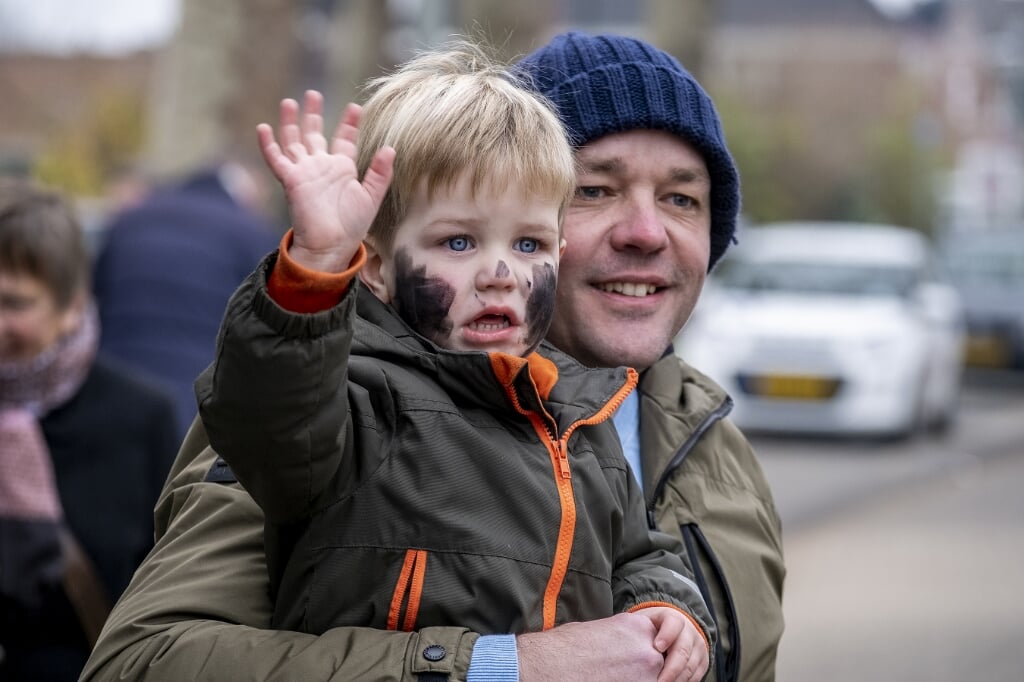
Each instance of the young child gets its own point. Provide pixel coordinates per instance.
(421, 458)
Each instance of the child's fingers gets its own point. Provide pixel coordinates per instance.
(288, 132)
(686, 653)
(312, 122)
(378, 175)
(685, 661)
(313, 102)
(346, 135)
(669, 628)
(271, 151)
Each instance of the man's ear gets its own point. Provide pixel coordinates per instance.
(372, 273)
(561, 248)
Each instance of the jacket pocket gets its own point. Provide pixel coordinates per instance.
(726, 664)
(408, 591)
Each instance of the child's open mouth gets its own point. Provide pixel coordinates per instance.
(490, 323)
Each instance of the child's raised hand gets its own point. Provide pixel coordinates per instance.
(686, 653)
(331, 209)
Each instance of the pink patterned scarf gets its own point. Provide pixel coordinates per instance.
(28, 390)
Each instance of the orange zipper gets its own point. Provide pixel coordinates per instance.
(410, 583)
(558, 449)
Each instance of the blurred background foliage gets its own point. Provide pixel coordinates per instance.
(833, 110)
(84, 157)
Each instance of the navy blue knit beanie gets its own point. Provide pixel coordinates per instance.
(608, 84)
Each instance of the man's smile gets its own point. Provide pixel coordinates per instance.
(636, 289)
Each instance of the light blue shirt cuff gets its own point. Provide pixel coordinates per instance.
(494, 659)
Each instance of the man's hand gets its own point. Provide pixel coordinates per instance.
(608, 650)
(331, 209)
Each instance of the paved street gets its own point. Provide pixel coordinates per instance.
(923, 582)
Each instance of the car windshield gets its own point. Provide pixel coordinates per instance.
(987, 267)
(816, 278)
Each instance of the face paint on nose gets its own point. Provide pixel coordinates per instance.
(423, 302)
(540, 306)
(502, 270)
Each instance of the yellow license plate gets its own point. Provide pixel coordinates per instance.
(987, 350)
(790, 386)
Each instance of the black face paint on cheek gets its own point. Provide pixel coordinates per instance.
(502, 270)
(423, 302)
(540, 306)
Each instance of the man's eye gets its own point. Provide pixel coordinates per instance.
(589, 192)
(682, 200)
(527, 245)
(458, 243)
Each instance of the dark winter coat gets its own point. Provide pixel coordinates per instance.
(407, 486)
(165, 273)
(112, 445)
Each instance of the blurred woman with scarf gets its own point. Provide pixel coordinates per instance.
(84, 447)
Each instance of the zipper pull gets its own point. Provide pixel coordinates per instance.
(563, 460)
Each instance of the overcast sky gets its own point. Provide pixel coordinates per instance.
(113, 26)
(90, 25)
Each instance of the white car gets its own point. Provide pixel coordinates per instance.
(831, 329)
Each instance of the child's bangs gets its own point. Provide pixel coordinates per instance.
(502, 135)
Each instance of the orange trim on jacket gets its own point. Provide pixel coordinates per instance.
(544, 374)
(410, 581)
(299, 289)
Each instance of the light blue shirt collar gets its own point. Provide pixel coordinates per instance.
(627, 423)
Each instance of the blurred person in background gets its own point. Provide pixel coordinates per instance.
(84, 447)
(165, 270)
(655, 208)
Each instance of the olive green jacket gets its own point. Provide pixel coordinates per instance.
(407, 485)
(704, 485)
(192, 611)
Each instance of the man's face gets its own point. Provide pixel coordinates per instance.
(637, 248)
(475, 271)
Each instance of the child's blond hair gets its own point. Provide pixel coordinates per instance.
(457, 110)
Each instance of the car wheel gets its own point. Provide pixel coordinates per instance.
(942, 422)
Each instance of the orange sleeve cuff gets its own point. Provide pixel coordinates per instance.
(686, 613)
(300, 290)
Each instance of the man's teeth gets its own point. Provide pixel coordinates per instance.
(489, 327)
(628, 288)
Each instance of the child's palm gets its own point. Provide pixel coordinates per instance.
(331, 209)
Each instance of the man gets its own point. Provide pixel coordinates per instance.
(167, 268)
(655, 209)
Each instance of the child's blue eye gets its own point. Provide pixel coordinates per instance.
(589, 192)
(458, 243)
(527, 245)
